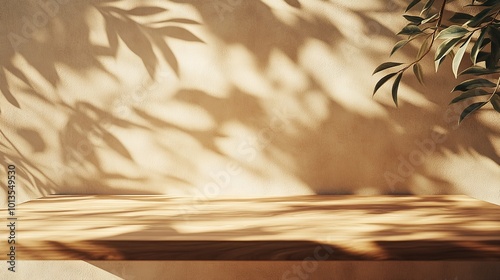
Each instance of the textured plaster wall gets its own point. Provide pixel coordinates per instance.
(244, 98)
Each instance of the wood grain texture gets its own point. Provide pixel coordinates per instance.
(286, 228)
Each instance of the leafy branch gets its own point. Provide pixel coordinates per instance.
(482, 28)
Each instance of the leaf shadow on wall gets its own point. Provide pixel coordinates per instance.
(38, 40)
(340, 155)
(343, 155)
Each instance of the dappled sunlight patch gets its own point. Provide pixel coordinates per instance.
(156, 97)
(327, 69)
(244, 72)
(287, 77)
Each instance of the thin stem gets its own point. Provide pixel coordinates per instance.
(433, 37)
(495, 91)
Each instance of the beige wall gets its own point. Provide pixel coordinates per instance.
(271, 96)
(259, 97)
(277, 103)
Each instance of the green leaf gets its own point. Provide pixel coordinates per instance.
(445, 48)
(430, 19)
(489, 3)
(473, 83)
(382, 81)
(477, 46)
(451, 32)
(386, 65)
(472, 108)
(427, 6)
(494, 33)
(424, 47)
(413, 3)
(483, 56)
(413, 19)
(399, 45)
(470, 93)
(484, 3)
(479, 17)
(417, 70)
(460, 17)
(458, 57)
(479, 70)
(410, 29)
(438, 62)
(494, 56)
(395, 88)
(495, 101)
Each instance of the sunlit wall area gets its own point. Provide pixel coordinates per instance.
(228, 98)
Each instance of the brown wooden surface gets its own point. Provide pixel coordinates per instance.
(288, 228)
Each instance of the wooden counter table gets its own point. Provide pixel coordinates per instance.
(152, 227)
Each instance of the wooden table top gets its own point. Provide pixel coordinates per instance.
(152, 227)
